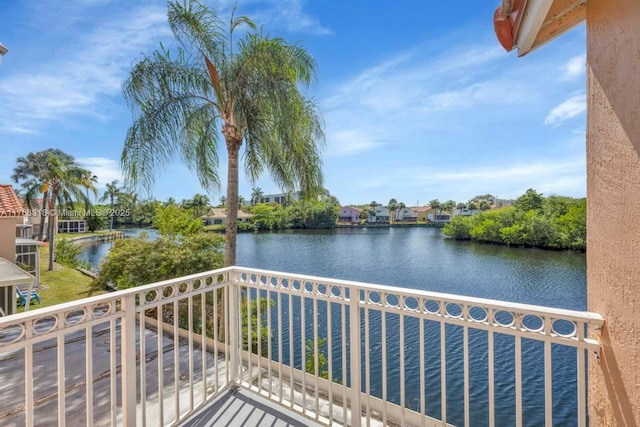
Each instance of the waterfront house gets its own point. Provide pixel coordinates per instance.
(438, 215)
(218, 216)
(381, 215)
(420, 212)
(280, 198)
(465, 212)
(349, 214)
(407, 214)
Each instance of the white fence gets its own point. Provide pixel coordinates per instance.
(324, 348)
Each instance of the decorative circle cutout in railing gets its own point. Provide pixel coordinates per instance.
(502, 318)
(533, 323)
(11, 334)
(45, 324)
(564, 328)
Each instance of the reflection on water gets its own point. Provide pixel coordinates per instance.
(420, 258)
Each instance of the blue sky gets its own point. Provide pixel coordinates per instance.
(418, 98)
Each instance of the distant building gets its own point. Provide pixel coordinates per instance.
(280, 198)
(503, 203)
(349, 214)
(381, 215)
(72, 226)
(407, 214)
(219, 216)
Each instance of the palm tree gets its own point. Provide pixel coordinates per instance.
(241, 202)
(401, 206)
(59, 179)
(484, 205)
(393, 205)
(448, 206)
(472, 206)
(249, 90)
(89, 181)
(112, 193)
(199, 203)
(170, 202)
(32, 170)
(223, 201)
(436, 206)
(256, 195)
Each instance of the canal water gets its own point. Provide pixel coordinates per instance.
(420, 258)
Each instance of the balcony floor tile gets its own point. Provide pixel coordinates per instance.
(244, 408)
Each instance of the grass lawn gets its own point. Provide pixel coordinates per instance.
(61, 285)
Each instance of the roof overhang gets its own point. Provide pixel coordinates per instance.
(528, 24)
(11, 274)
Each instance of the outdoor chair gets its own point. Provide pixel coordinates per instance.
(22, 297)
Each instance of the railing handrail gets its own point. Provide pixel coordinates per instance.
(70, 306)
(592, 318)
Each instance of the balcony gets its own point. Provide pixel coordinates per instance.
(243, 344)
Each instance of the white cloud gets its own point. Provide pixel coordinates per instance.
(75, 77)
(568, 109)
(349, 142)
(574, 68)
(288, 15)
(105, 169)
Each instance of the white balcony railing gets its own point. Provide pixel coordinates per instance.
(327, 349)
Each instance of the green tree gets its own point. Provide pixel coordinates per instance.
(264, 216)
(174, 223)
(140, 261)
(247, 88)
(530, 200)
(199, 204)
(112, 193)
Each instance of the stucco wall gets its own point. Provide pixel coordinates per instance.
(8, 237)
(613, 214)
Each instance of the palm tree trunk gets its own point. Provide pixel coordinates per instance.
(52, 231)
(233, 148)
(43, 214)
(111, 212)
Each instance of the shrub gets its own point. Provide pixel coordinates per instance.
(67, 253)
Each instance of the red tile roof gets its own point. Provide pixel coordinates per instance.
(10, 203)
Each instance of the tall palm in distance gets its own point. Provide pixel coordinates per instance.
(256, 195)
(199, 204)
(393, 206)
(112, 193)
(436, 206)
(400, 207)
(449, 206)
(89, 181)
(245, 90)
